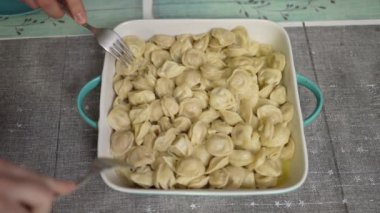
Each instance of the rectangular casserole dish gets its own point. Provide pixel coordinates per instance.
(259, 30)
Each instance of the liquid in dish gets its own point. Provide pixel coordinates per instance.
(202, 111)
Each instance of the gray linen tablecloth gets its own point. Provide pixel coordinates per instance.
(41, 129)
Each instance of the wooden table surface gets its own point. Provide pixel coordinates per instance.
(40, 127)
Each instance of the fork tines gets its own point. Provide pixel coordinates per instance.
(122, 52)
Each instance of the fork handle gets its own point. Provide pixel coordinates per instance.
(91, 28)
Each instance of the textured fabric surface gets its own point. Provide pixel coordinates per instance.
(41, 129)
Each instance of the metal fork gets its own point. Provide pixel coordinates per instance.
(99, 165)
(112, 43)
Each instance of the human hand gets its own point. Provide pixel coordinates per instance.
(54, 8)
(23, 191)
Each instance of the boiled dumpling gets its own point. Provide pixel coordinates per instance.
(149, 48)
(258, 160)
(190, 107)
(143, 177)
(158, 57)
(241, 134)
(201, 41)
(193, 58)
(288, 150)
(170, 69)
(211, 71)
(246, 109)
(182, 92)
(253, 144)
(240, 83)
(190, 167)
(164, 177)
(198, 182)
(221, 127)
(263, 182)
(223, 37)
(179, 47)
(235, 51)
(140, 131)
(202, 154)
(278, 94)
(189, 77)
(264, 49)
(164, 87)
(198, 132)
(219, 145)
(217, 163)
(118, 119)
(270, 168)
(181, 124)
(273, 153)
(163, 141)
(156, 110)
(139, 156)
(182, 146)
(163, 41)
(266, 90)
(141, 97)
(121, 142)
(140, 113)
(240, 158)
(164, 123)
(209, 115)
(202, 97)
(269, 76)
(249, 181)
(169, 106)
(135, 44)
(236, 176)
(122, 87)
(269, 113)
(277, 61)
(241, 35)
(222, 99)
(219, 178)
(287, 113)
(280, 137)
(143, 83)
(230, 117)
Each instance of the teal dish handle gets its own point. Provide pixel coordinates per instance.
(308, 84)
(301, 80)
(91, 85)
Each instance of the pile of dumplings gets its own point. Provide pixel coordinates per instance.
(201, 111)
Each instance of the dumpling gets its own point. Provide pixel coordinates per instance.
(182, 146)
(179, 47)
(202, 97)
(140, 131)
(163, 177)
(249, 181)
(278, 94)
(230, 117)
(164, 87)
(141, 97)
(193, 58)
(122, 87)
(190, 167)
(149, 48)
(164, 158)
(263, 182)
(118, 119)
(201, 41)
(237, 62)
(169, 106)
(280, 137)
(236, 176)
(163, 41)
(190, 107)
(140, 113)
(198, 132)
(217, 163)
(198, 182)
(253, 144)
(240, 158)
(253, 48)
(135, 44)
(158, 57)
(156, 111)
(148, 140)
(120, 102)
(221, 127)
(241, 35)
(209, 115)
(211, 71)
(181, 124)
(164, 123)
(269, 76)
(222, 37)
(222, 99)
(219, 145)
(163, 142)
(266, 90)
(142, 83)
(264, 49)
(139, 156)
(219, 178)
(263, 101)
(271, 168)
(277, 61)
(202, 154)
(266, 129)
(170, 69)
(182, 92)
(143, 177)
(287, 152)
(189, 77)
(240, 83)
(241, 134)
(269, 113)
(246, 109)
(287, 113)
(183, 181)
(235, 51)
(259, 159)
(121, 142)
(273, 153)
(216, 58)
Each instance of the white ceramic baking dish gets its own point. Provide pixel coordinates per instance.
(259, 30)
